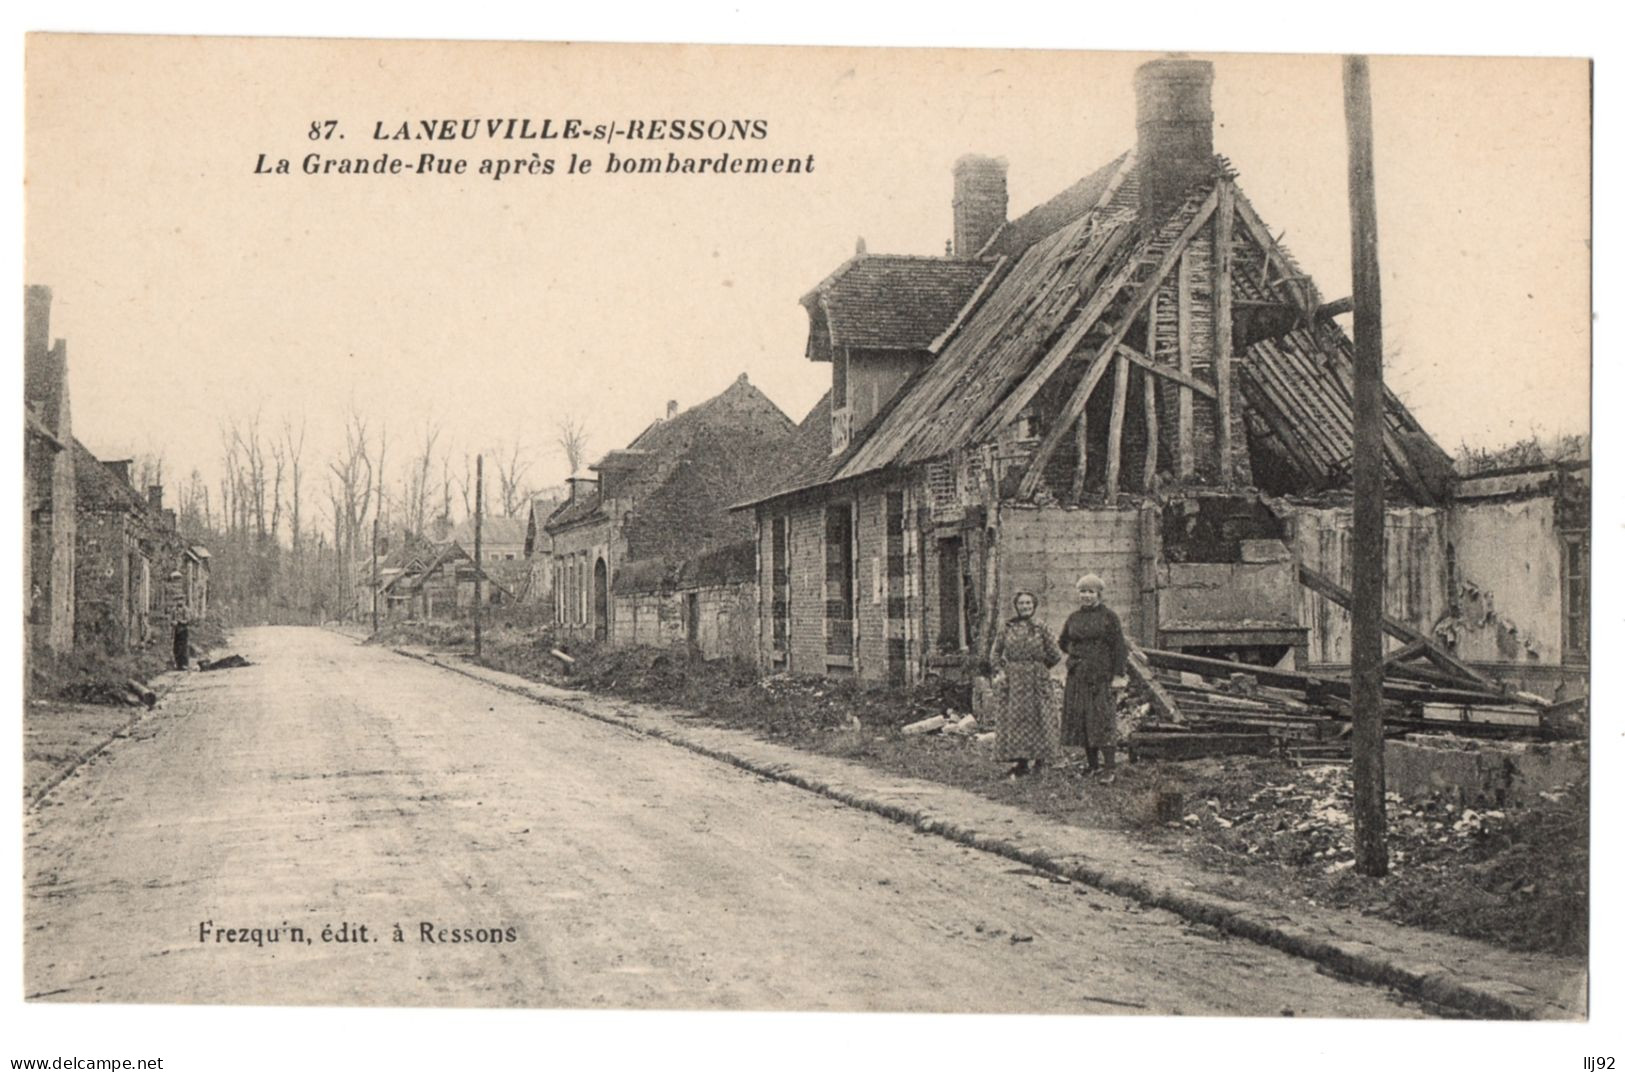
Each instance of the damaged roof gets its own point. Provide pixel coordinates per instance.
(1295, 386)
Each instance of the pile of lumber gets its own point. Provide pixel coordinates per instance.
(1202, 706)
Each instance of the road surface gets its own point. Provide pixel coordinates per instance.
(333, 784)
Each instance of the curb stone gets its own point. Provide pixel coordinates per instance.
(1430, 981)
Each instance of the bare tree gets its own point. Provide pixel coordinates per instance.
(416, 499)
(442, 521)
(465, 484)
(572, 440)
(511, 470)
(294, 448)
(149, 470)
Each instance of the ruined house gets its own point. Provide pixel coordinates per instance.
(649, 552)
(49, 478)
(426, 580)
(119, 577)
(502, 550)
(1133, 379)
(538, 548)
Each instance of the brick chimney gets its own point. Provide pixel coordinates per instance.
(36, 321)
(155, 497)
(1175, 124)
(671, 409)
(581, 487)
(980, 202)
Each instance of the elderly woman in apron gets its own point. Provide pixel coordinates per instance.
(1028, 730)
(1096, 668)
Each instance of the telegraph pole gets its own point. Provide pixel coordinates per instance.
(1370, 816)
(375, 575)
(479, 569)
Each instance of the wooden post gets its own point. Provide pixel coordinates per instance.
(1370, 819)
(1223, 344)
(1148, 477)
(1083, 456)
(375, 575)
(1114, 433)
(479, 570)
(1187, 409)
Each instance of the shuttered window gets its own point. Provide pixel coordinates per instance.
(838, 580)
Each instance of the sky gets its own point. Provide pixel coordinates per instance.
(192, 291)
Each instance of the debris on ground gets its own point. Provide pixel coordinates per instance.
(1190, 706)
(227, 662)
(926, 725)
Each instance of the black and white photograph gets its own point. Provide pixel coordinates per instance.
(731, 529)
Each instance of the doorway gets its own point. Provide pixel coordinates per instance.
(600, 601)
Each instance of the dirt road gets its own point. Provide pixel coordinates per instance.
(334, 784)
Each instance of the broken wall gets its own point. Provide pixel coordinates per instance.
(1416, 568)
(1510, 582)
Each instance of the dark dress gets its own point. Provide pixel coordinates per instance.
(1029, 725)
(183, 639)
(1095, 653)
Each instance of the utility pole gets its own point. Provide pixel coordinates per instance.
(375, 575)
(479, 569)
(1370, 816)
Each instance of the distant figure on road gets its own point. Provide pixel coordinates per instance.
(1028, 728)
(1096, 667)
(183, 635)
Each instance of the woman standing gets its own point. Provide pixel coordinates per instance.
(1028, 729)
(1096, 665)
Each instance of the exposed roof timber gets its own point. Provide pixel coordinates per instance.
(1223, 344)
(1099, 301)
(1168, 372)
(1080, 397)
(1114, 432)
(1304, 296)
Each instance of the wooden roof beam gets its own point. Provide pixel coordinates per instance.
(1223, 341)
(1080, 397)
(1167, 372)
(1017, 400)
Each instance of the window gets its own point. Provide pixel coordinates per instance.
(1576, 597)
(838, 583)
(781, 587)
(951, 594)
(896, 604)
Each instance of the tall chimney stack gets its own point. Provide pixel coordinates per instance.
(980, 202)
(36, 321)
(1175, 124)
(155, 497)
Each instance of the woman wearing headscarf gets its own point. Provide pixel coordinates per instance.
(1028, 729)
(1096, 664)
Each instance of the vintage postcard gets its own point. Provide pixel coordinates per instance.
(562, 526)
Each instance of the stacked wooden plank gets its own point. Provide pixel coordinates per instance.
(1226, 712)
(1201, 706)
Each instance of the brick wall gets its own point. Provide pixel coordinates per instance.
(101, 580)
(807, 589)
(870, 597)
(1046, 549)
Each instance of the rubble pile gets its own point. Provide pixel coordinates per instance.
(1469, 870)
